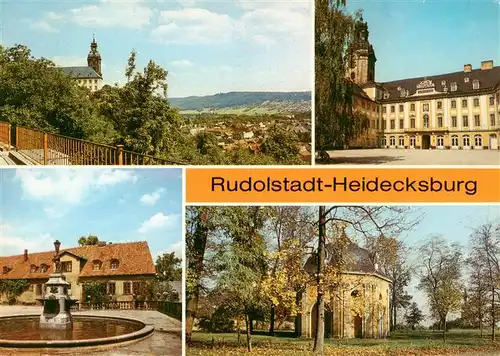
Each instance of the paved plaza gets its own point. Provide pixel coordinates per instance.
(414, 157)
(165, 341)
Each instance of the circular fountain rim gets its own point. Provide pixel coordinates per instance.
(146, 330)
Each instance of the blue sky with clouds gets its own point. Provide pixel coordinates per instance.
(207, 46)
(39, 206)
(414, 38)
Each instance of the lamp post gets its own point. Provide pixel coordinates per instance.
(57, 260)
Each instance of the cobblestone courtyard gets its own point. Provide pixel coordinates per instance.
(414, 157)
(165, 341)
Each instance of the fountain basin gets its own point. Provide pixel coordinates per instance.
(25, 332)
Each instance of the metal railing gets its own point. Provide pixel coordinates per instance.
(52, 149)
(173, 309)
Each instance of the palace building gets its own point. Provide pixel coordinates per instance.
(122, 266)
(356, 304)
(90, 76)
(459, 110)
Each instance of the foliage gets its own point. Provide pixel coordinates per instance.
(95, 292)
(161, 291)
(13, 288)
(281, 145)
(88, 240)
(220, 321)
(414, 316)
(168, 267)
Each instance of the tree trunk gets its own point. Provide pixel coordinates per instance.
(319, 338)
(444, 331)
(195, 266)
(249, 333)
(493, 319)
(271, 322)
(238, 330)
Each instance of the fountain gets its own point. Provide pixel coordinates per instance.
(57, 328)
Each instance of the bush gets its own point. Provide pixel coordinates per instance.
(220, 321)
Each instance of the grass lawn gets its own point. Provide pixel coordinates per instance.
(399, 344)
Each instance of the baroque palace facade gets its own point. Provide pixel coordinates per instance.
(122, 266)
(89, 76)
(459, 110)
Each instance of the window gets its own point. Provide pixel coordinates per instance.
(38, 289)
(453, 121)
(412, 141)
(96, 265)
(401, 108)
(384, 110)
(33, 269)
(95, 81)
(127, 288)
(95, 87)
(378, 125)
(453, 104)
(401, 140)
(492, 100)
(43, 268)
(476, 102)
(477, 121)
(114, 264)
(355, 294)
(465, 121)
(492, 119)
(412, 123)
(453, 86)
(393, 108)
(466, 141)
(393, 124)
(384, 143)
(464, 103)
(384, 125)
(66, 266)
(426, 107)
(454, 140)
(401, 123)
(475, 84)
(111, 288)
(466, 79)
(412, 107)
(426, 121)
(439, 105)
(478, 140)
(363, 104)
(440, 141)
(440, 121)
(378, 109)
(6, 269)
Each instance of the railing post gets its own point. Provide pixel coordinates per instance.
(17, 137)
(120, 155)
(45, 149)
(9, 138)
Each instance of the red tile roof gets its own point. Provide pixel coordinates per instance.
(134, 259)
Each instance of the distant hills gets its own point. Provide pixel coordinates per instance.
(245, 103)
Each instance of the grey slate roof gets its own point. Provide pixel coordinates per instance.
(488, 80)
(81, 72)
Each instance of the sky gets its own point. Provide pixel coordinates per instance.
(208, 46)
(38, 206)
(427, 37)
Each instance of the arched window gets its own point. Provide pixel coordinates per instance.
(43, 268)
(454, 140)
(466, 141)
(6, 269)
(114, 264)
(440, 141)
(426, 121)
(33, 269)
(401, 140)
(96, 265)
(478, 140)
(384, 143)
(380, 296)
(392, 141)
(412, 141)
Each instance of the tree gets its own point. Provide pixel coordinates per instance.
(88, 240)
(168, 267)
(440, 278)
(367, 221)
(336, 122)
(414, 316)
(282, 145)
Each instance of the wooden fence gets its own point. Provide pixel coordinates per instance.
(53, 149)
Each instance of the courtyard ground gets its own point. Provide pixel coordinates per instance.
(165, 341)
(394, 156)
(459, 342)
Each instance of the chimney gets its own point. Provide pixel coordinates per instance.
(25, 255)
(467, 68)
(487, 65)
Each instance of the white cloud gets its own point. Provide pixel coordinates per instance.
(193, 26)
(68, 61)
(134, 14)
(15, 245)
(53, 16)
(43, 26)
(183, 63)
(152, 198)
(176, 247)
(158, 221)
(60, 189)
